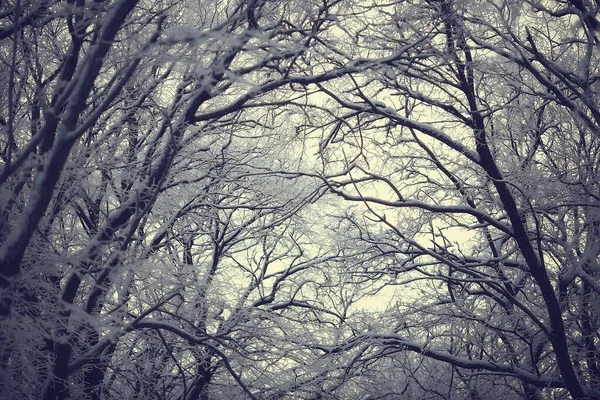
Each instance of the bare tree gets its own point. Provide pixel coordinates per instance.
(134, 185)
(471, 140)
(210, 200)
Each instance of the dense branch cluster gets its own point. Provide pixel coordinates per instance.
(316, 199)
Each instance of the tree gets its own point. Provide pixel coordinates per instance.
(136, 177)
(211, 200)
(471, 141)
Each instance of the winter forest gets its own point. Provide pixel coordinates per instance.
(299, 199)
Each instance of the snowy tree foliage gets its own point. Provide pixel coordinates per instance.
(300, 199)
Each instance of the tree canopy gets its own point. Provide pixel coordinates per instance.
(300, 199)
